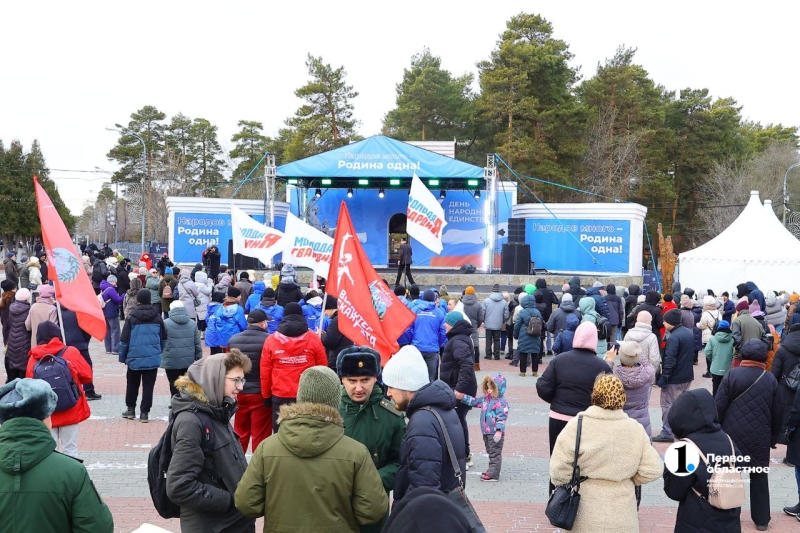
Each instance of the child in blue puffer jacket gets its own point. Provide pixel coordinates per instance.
(563, 341)
(312, 309)
(212, 335)
(255, 298)
(494, 412)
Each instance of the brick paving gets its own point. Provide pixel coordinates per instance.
(115, 452)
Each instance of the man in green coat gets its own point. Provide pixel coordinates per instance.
(368, 417)
(41, 490)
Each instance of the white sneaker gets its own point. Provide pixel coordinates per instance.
(469, 461)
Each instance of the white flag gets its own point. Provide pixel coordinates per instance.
(425, 216)
(254, 239)
(307, 246)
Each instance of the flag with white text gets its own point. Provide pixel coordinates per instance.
(253, 239)
(425, 216)
(306, 246)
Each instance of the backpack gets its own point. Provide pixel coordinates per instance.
(159, 459)
(603, 328)
(725, 489)
(534, 326)
(716, 323)
(54, 369)
(793, 378)
(167, 292)
(97, 272)
(101, 300)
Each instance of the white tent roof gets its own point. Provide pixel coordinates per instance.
(755, 247)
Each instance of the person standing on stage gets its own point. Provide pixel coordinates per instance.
(404, 262)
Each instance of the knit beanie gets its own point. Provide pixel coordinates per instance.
(567, 297)
(22, 295)
(608, 392)
(320, 384)
(167, 270)
(111, 279)
(672, 317)
(292, 308)
(269, 292)
(26, 398)
(794, 298)
(640, 299)
(644, 317)
(496, 288)
(630, 353)
(142, 271)
(742, 305)
(143, 296)
(399, 291)
(754, 350)
(530, 288)
(443, 289)
(429, 296)
(452, 318)
(176, 304)
(132, 275)
(469, 290)
(723, 324)
(406, 370)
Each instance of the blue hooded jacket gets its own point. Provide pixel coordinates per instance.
(255, 297)
(563, 341)
(211, 336)
(274, 314)
(143, 338)
(494, 409)
(226, 322)
(600, 304)
(408, 334)
(527, 344)
(428, 328)
(312, 310)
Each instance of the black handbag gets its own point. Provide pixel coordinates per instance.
(457, 495)
(562, 507)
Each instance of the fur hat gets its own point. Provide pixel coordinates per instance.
(358, 361)
(672, 317)
(7, 285)
(319, 384)
(26, 398)
(630, 353)
(406, 370)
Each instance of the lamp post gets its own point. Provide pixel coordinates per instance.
(123, 129)
(113, 216)
(785, 195)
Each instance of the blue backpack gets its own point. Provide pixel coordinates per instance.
(54, 369)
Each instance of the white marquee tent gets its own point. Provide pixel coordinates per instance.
(755, 247)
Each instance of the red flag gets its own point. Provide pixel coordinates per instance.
(369, 313)
(73, 288)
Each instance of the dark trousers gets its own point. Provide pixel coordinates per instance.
(147, 378)
(461, 411)
(276, 410)
(172, 375)
(715, 381)
(492, 343)
(495, 451)
(13, 374)
(477, 358)
(201, 324)
(87, 387)
(523, 362)
(407, 268)
(554, 430)
(759, 498)
(503, 340)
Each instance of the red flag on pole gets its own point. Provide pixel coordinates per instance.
(73, 288)
(369, 313)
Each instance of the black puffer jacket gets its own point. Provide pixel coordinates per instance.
(288, 291)
(793, 425)
(458, 369)
(568, 380)
(678, 363)
(630, 304)
(424, 461)
(616, 307)
(754, 420)
(76, 337)
(786, 358)
(334, 341)
(575, 289)
(19, 338)
(650, 305)
(251, 342)
(549, 298)
(694, 416)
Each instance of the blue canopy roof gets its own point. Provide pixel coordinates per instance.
(379, 157)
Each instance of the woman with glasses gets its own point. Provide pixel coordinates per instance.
(202, 484)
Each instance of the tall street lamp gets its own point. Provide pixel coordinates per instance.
(785, 195)
(123, 129)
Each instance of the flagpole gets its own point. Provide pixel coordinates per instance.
(61, 321)
(322, 314)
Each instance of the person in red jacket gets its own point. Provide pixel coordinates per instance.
(147, 260)
(286, 354)
(65, 423)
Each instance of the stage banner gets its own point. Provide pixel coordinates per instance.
(253, 239)
(306, 246)
(425, 216)
(369, 312)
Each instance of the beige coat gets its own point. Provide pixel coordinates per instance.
(40, 312)
(615, 455)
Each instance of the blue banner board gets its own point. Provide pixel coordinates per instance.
(194, 232)
(553, 248)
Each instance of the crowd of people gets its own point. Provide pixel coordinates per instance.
(321, 416)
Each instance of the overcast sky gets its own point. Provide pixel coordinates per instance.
(70, 72)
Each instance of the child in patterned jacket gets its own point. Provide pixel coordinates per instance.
(494, 412)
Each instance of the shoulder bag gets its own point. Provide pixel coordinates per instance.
(457, 495)
(562, 507)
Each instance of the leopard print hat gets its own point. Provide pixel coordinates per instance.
(608, 393)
